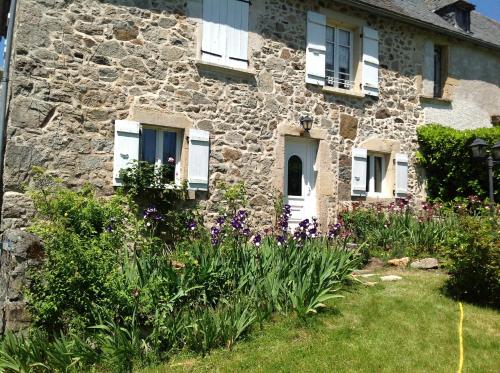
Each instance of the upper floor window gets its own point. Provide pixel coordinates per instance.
(338, 58)
(438, 71)
(345, 58)
(225, 32)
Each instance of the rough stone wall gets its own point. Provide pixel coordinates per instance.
(19, 252)
(79, 65)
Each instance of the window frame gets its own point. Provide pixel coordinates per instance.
(160, 131)
(336, 44)
(370, 175)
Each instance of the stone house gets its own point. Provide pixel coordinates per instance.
(224, 86)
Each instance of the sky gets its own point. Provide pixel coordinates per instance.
(489, 8)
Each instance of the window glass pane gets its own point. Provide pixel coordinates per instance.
(344, 38)
(148, 145)
(368, 172)
(330, 58)
(330, 34)
(169, 146)
(378, 174)
(294, 176)
(344, 57)
(437, 71)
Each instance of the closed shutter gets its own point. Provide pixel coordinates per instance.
(401, 175)
(213, 46)
(316, 48)
(359, 169)
(126, 147)
(370, 62)
(199, 152)
(237, 33)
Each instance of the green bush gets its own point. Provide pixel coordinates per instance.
(474, 254)
(84, 239)
(450, 169)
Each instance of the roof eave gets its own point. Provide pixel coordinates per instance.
(416, 22)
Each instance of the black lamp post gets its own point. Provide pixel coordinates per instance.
(480, 152)
(306, 122)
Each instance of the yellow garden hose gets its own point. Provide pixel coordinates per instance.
(461, 338)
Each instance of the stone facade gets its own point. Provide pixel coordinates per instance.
(19, 252)
(80, 65)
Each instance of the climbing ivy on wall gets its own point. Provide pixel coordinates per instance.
(450, 168)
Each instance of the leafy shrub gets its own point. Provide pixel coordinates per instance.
(474, 255)
(450, 168)
(85, 239)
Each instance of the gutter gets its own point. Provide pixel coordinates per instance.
(407, 19)
(5, 91)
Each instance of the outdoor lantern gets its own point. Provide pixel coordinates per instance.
(478, 147)
(496, 151)
(306, 122)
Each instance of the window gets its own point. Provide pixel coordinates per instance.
(438, 71)
(338, 58)
(161, 147)
(375, 174)
(294, 176)
(225, 32)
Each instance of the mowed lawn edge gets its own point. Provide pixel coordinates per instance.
(401, 326)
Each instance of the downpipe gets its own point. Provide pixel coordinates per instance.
(5, 92)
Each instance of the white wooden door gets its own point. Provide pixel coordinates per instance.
(300, 179)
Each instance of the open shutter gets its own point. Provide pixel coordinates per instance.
(401, 175)
(126, 147)
(213, 46)
(370, 61)
(316, 48)
(237, 33)
(359, 169)
(199, 152)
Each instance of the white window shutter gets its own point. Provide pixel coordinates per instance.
(199, 152)
(359, 169)
(316, 48)
(126, 147)
(213, 47)
(401, 175)
(370, 62)
(237, 33)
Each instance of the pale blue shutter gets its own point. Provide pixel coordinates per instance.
(316, 48)
(370, 62)
(237, 33)
(213, 46)
(199, 152)
(359, 170)
(401, 175)
(126, 148)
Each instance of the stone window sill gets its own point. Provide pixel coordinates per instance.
(444, 100)
(342, 92)
(208, 66)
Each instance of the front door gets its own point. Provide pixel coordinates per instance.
(300, 178)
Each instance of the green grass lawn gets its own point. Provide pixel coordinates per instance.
(404, 326)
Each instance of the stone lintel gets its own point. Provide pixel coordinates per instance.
(160, 118)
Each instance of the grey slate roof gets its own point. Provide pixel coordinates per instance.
(483, 29)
